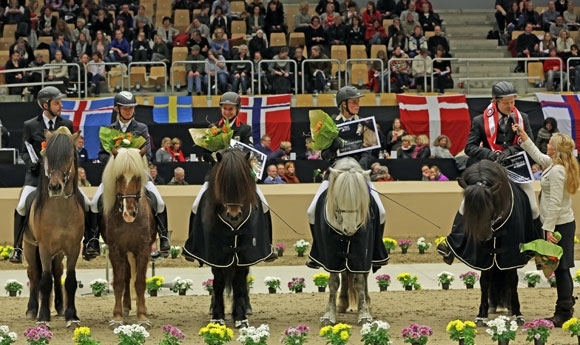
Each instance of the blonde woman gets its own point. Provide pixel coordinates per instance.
(559, 181)
(422, 149)
(163, 155)
(407, 147)
(564, 42)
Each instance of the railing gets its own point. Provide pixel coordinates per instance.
(251, 80)
(186, 62)
(30, 69)
(382, 73)
(155, 63)
(68, 64)
(108, 74)
(275, 61)
(411, 70)
(568, 70)
(305, 61)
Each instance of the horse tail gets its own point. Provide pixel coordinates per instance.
(478, 211)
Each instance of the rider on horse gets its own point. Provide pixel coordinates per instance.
(50, 101)
(125, 104)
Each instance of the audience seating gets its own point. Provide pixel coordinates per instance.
(359, 75)
(138, 75)
(297, 39)
(6, 42)
(278, 39)
(181, 20)
(179, 53)
(375, 48)
(4, 57)
(239, 27)
(339, 52)
(536, 72)
(9, 30)
(157, 76)
(358, 51)
(237, 7)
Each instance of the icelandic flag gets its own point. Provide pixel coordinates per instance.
(268, 115)
(172, 109)
(565, 109)
(436, 115)
(89, 116)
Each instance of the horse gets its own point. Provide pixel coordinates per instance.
(496, 219)
(368, 134)
(347, 239)
(230, 231)
(55, 228)
(129, 229)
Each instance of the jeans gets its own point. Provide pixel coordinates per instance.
(239, 80)
(95, 80)
(115, 57)
(554, 75)
(191, 80)
(222, 80)
(319, 81)
(576, 73)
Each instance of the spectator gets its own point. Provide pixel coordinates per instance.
(204, 16)
(530, 16)
(167, 32)
(281, 169)
(400, 69)
(59, 71)
(83, 182)
(241, 71)
(197, 40)
(25, 50)
(546, 44)
(380, 173)
(537, 171)
(553, 71)
(527, 45)
(422, 149)
(407, 148)
(395, 136)
(224, 5)
(425, 173)
(155, 178)
(422, 69)
(411, 9)
(31, 18)
(398, 40)
(182, 5)
(312, 155)
(513, 17)
(290, 175)
(419, 5)
(436, 174)
(299, 57)
(564, 43)
(97, 73)
(283, 152)
(47, 23)
(387, 8)
(402, 6)
(355, 33)
(255, 21)
(215, 66)
(220, 43)
(280, 72)
(63, 29)
(375, 73)
(103, 23)
(273, 177)
(141, 49)
(350, 13)
(194, 75)
(441, 146)
(375, 33)
(82, 46)
(81, 150)
(570, 17)
(218, 20)
(14, 12)
(175, 151)
(264, 145)
(163, 154)
(260, 74)
(70, 11)
(100, 44)
(549, 16)
(428, 19)
(417, 42)
(322, 5)
(395, 27)
(178, 177)
(545, 133)
(337, 32)
(315, 34)
(251, 3)
(327, 18)
(574, 71)
(59, 43)
(501, 13)
(562, 5)
(159, 51)
(196, 24)
(558, 26)
(127, 33)
(302, 19)
(318, 69)
(258, 43)
(438, 40)
(371, 14)
(141, 16)
(409, 23)
(81, 28)
(442, 71)
(87, 15)
(126, 16)
(36, 76)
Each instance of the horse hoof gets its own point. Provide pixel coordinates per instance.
(126, 312)
(326, 321)
(249, 311)
(31, 315)
(242, 324)
(341, 310)
(520, 320)
(364, 320)
(146, 324)
(492, 310)
(481, 321)
(45, 323)
(74, 323)
(218, 321)
(114, 324)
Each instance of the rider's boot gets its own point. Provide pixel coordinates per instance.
(91, 245)
(163, 232)
(19, 226)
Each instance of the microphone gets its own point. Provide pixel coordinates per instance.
(512, 120)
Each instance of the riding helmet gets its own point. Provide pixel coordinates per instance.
(125, 99)
(503, 89)
(48, 93)
(345, 93)
(230, 98)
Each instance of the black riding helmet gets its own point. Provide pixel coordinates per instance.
(125, 99)
(47, 94)
(503, 89)
(230, 98)
(345, 93)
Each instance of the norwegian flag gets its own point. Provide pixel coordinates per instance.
(89, 116)
(565, 109)
(436, 115)
(268, 115)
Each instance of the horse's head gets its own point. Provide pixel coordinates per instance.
(232, 185)
(348, 196)
(60, 162)
(124, 180)
(487, 198)
(360, 129)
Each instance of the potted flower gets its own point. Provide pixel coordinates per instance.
(254, 336)
(39, 335)
(533, 278)
(296, 284)
(250, 280)
(273, 283)
(469, 278)
(208, 286)
(13, 287)
(174, 251)
(390, 244)
(462, 331)
(98, 286)
(577, 277)
(131, 334)
(83, 336)
(181, 285)
(422, 245)
(573, 327)
(216, 334)
(321, 281)
(416, 335)
(538, 330)
(171, 335)
(404, 244)
(408, 281)
(5, 252)
(153, 285)
(552, 280)
(445, 279)
(295, 336)
(336, 335)
(384, 280)
(376, 333)
(439, 240)
(7, 336)
(502, 329)
(301, 246)
(280, 248)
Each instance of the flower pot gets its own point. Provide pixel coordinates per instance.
(531, 285)
(461, 341)
(553, 285)
(271, 290)
(280, 252)
(579, 340)
(210, 292)
(539, 342)
(503, 342)
(174, 256)
(153, 293)
(300, 254)
(12, 293)
(383, 288)
(445, 286)
(469, 286)
(298, 290)
(182, 292)
(408, 287)
(421, 251)
(388, 251)
(404, 250)
(98, 294)
(321, 289)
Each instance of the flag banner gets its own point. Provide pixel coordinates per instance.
(172, 109)
(565, 109)
(359, 135)
(268, 115)
(436, 115)
(89, 116)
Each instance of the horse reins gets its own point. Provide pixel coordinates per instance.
(65, 177)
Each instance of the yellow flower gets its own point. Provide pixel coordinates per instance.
(576, 240)
(459, 326)
(230, 333)
(325, 330)
(81, 331)
(344, 335)
(469, 324)
(439, 240)
(573, 321)
(403, 276)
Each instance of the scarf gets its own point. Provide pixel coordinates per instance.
(490, 124)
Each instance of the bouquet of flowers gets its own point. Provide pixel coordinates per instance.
(422, 244)
(376, 333)
(445, 277)
(180, 284)
(547, 255)
(7, 337)
(113, 138)
(532, 277)
(323, 128)
(407, 279)
(390, 243)
(416, 334)
(214, 138)
(296, 284)
(272, 282)
(171, 335)
(98, 286)
(254, 336)
(250, 280)
(216, 334)
(13, 285)
(337, 334)
(82, 336)
(572, 326)
(502, 328)
(131, 334)
(154, 283)
(469, 278)
(301, 246)
(321, 279)
(39, 335)
(384, 280)
(465, 330)
(295, 336)
(5, 252)
(404, 244)
(538, 330)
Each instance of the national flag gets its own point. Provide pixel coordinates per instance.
(89, 116)
(268, 115)
(172, 109)
(436, 115)
(565, 109)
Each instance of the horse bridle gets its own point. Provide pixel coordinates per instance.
(338, 214)
(65, 177)
(122, 197)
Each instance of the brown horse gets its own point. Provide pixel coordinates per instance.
(55, 229)
(128, 229)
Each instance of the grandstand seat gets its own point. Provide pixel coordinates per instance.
(387, 23)
(9, 30)
(181, 20)
(179, 53)
(179, 75)
(575, 35)
(278, 39)
(237, 7)
(45, 39)
(536, 72)
(338, 51)
(516, 34)
(429, 34)
(239, 27)
(297, 39)
(157, 76)
(138, 74)
(6, 42)
(4, 56)
(45, 54)
(304, 100)
(375, 48)
(358, 51)
(359, 75)
(116, 76)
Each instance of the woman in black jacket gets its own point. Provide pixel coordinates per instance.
(356, 32)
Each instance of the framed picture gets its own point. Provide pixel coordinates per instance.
(518, 168)
(359, 135)
(257, 158)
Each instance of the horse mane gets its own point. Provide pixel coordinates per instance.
(486, 190)
(128, 163)
(348, 188)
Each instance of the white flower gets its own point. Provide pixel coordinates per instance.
(4, 329)
(126, 142)
(12, 336)
(271, 279)
(99, 281)
(301, 244)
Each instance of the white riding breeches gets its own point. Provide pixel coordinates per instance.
(26, 190)
(529, 190)
(204, 187)
(149, 186)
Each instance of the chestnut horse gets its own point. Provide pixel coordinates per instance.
(128, 229)
(55, 229)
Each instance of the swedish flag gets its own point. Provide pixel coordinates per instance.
(172, 109)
